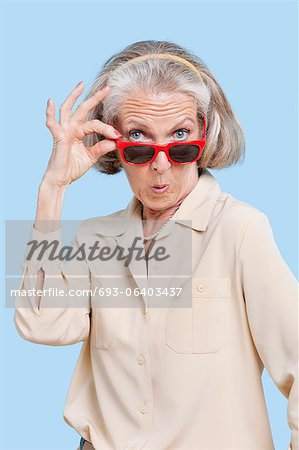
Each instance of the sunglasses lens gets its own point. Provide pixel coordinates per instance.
(184, 153)
(138, 154)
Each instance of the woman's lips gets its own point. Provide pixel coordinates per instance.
(160, 188)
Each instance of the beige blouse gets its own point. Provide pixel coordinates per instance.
(173, 359)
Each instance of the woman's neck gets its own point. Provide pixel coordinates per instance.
(165, 214)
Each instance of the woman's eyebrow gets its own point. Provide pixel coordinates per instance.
(183, 121)
(134, 125)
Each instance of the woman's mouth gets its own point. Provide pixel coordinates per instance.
(160, 188)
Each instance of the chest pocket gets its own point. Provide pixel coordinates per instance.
(114, 309)
(204, 326)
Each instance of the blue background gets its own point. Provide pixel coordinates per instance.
(47, 47)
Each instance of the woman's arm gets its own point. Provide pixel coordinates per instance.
(271, 297)
(70, 159)
(48, 216)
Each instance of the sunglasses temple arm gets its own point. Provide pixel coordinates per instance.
(204, 127)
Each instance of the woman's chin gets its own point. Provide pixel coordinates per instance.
(158, 202)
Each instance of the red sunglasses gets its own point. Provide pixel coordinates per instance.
(180, 152)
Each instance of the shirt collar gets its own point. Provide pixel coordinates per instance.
(194, 211)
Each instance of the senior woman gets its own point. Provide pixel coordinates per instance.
(183, 372)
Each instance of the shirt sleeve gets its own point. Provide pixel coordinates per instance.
(62, 314)
(271, 295)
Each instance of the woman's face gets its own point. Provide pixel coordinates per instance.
(160, 119)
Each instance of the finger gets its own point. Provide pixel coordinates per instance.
(100, 149)
(96, 126)
(50, 116)
(65, 109)
(85, 107)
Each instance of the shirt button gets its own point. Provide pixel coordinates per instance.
(143, 409)
(201, 288)
(145, 310)
(140, 359)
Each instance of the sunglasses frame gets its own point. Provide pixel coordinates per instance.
(121, 146)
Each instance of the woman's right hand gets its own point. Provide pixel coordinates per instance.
(70, 159)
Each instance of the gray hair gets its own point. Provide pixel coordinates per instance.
(225, 143)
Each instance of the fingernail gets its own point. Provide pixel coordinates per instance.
(117, 133)
(80, 82)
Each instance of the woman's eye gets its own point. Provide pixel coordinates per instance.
(182, 133)
(135, 134)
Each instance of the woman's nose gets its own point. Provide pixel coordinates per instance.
(161, 163)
